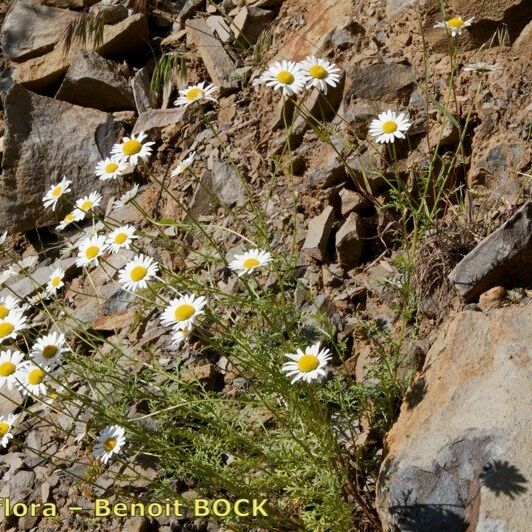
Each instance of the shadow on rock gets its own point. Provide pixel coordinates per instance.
(503, 477)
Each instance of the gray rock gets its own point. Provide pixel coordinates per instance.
(140, 85)
(350, 241)
(504, 258)
(226, 184)
(220, 28)
(43, 134)
(382, 81)
(351, 201)
(458, 456)
(189, 9)
(31, 29)
(217, 61)
(318, 233)
(92, 81)
(366, 170)
(153, 120)
(249, 23)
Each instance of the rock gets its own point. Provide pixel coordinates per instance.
(10, 400)
(220, 28)
(136, 524)
(350, 241)
(189, 9)
(503, 258)
(153, 121)
(217, 61)
(115, 322)
(522, 43)
(73, 4)
(458, 456)
(44, 134)
(382, 81)
(226, 184)
(142, 94)
(318, 232)
(249, 23)
(122, 39)
(31, 29)
(492, 298)
(92, 81)
(19, 486)
(109, 14)
(330, 171)
(366, 171)
(351, 201)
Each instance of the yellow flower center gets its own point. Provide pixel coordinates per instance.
(109, 444)
(138, 273)
(195, 94)
(120, 238)
(317, 71)
(57, 191)
(389, 126)
(36, 376)
(131, 147)
(455, 22)
(285, 77)
(184, 312)
(69, 218)
(7, 369)
(6, 329)
(4, 312)
(92, 252)
(49, 351)
(111, 167)
(86, 205)
(308, 363)
(55, 281)
(251, 263)
(4, 428)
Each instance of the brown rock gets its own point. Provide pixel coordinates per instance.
(217, 61)
(318, 232)
(492, 298)
(463, 439)
(115, 322)
(249, 23)
(350, 241)
(154, 120)
(351, 201)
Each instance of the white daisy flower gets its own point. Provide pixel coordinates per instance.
(12, 324)
(39, 297)
(3, 237)
(24, 265)
(51, 198)
(320, 73)
(110, 441)
(10, 303)
(481, 67)
(196, 93)
(132, 149)
(111, 168)
(388, 126)
(126, 197)
(87, 203)
(137, 272)
(285, 75)
(308, 365)
(121, 238)
(56, 281)
(183, 165)
(74, 216)
(48, 349)
(6, 425)
(11, 363)
(90, 250)
(180, 335)
(455, 25)
(249, 261)
(31, 379)
(183, 311)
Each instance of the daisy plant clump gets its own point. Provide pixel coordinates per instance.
(12, 324)
(307, 364)
(249, 261)
(73, 216)
(133, 149)
(8, 304)
(32, 379)
(11, 364)
(319, 73)
(126, 198)
(455, 25)
(183, 311)
(55, 192)
(48, 350)
(196, 93)
(55, 282)
(110, 442)
(86, 204)
(389, 126)
(90, 250)
(183, 165)
(111, 168)
(6, 427)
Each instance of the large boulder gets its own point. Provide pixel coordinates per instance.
(92, 81)
(124, 38)
(46, 139)
(31, 29)
(458, 458)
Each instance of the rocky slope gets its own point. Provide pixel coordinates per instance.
(457, 456)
